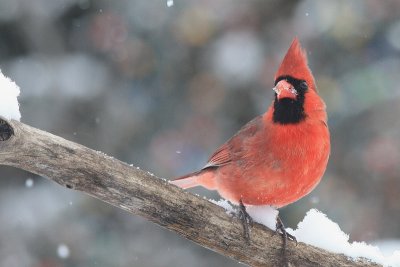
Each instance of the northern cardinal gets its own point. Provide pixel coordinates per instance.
(281, 155)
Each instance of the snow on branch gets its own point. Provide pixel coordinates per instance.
(9, 91)
(139, 192)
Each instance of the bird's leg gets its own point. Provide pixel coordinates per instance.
(280, 228)
(246, 221)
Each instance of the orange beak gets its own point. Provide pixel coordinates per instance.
(284, 89)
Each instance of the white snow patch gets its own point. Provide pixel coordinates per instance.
(318, 230)
(9, 91)
(63, 251)
(265, 215)
(170, 3)
(387, 246)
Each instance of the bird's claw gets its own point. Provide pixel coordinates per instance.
(246, 220)
(286, 235)
(291, 237)
(280, 229)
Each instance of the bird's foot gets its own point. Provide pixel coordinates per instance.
(246, 220)
(280, 228)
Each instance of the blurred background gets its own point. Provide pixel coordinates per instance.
(161, 87)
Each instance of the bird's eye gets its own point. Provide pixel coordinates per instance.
(303, 85)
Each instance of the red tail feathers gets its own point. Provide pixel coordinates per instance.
(186, 181)
(204, 177)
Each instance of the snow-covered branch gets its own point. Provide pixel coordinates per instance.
(139, 192)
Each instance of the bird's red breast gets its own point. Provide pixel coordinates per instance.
(280, 156)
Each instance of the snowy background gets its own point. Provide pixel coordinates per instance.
(161, 87)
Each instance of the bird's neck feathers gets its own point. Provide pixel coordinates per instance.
(294, 68)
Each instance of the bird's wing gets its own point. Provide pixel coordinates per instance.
(220, 157)
(232, 150)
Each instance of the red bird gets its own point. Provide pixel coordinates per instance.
(281, 155)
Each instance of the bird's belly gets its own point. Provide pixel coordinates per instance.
(274, 184)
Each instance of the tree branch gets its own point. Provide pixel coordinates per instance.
(110, 180)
